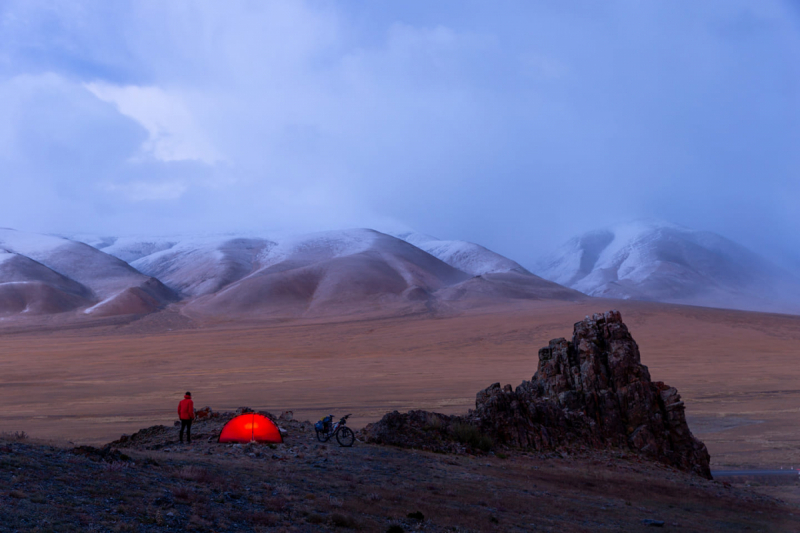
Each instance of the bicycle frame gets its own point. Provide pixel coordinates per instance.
(325, 436)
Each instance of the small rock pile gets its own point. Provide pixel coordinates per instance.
(591, 391)
(106, 453)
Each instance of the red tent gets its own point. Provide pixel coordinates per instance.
(250, 427)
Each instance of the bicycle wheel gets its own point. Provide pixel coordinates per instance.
(322, 436)
(345, 437)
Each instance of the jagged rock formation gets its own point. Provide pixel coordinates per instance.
(591, 391)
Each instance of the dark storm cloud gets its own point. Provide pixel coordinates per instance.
(513, 124)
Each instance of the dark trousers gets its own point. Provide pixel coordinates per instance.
(187, 425)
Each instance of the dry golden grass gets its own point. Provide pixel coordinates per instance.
(737, 371)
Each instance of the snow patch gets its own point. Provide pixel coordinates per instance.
(466, 256)
(89, 310)
(30, 244)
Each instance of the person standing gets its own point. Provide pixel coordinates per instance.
(186, 414)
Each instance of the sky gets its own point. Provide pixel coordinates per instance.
(514, 124)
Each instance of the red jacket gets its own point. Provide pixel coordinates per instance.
(186, 409)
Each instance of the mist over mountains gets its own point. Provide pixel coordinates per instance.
(366, 272)
(663, 262)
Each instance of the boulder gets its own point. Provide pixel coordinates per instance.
(421, 430)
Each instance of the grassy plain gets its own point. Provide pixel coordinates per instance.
(738, 372)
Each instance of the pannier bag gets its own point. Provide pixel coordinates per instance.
(324, 425)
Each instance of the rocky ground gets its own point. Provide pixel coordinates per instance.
(150, 482)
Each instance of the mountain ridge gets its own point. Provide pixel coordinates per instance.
(657, 261)
(342, 272)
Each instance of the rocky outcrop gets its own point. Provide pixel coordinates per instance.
(592, 391)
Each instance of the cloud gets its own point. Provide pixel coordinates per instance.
(138, 191)
(514, 125)
(173, 134)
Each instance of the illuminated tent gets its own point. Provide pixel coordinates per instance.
(250, 427)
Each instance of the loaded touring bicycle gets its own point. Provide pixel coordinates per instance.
(326, 429)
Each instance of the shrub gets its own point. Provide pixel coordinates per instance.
(262, 518)
(471, 436)
(435, 424)
(184, 495)
(334, 501)
(340, 520)
(315, 518)
(115, 467)
(275, 504)
(194, 473)
(484, 443)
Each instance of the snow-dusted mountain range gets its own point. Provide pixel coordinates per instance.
(658, 261)
(361, 271)
(42, 274)
(336, 272)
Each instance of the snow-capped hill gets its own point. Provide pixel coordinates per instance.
(649, 260)
(347, 271)
(130, 249)
(60, 274)
(30, 287)
(191, 265)
(320, 246)
(466, 256)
